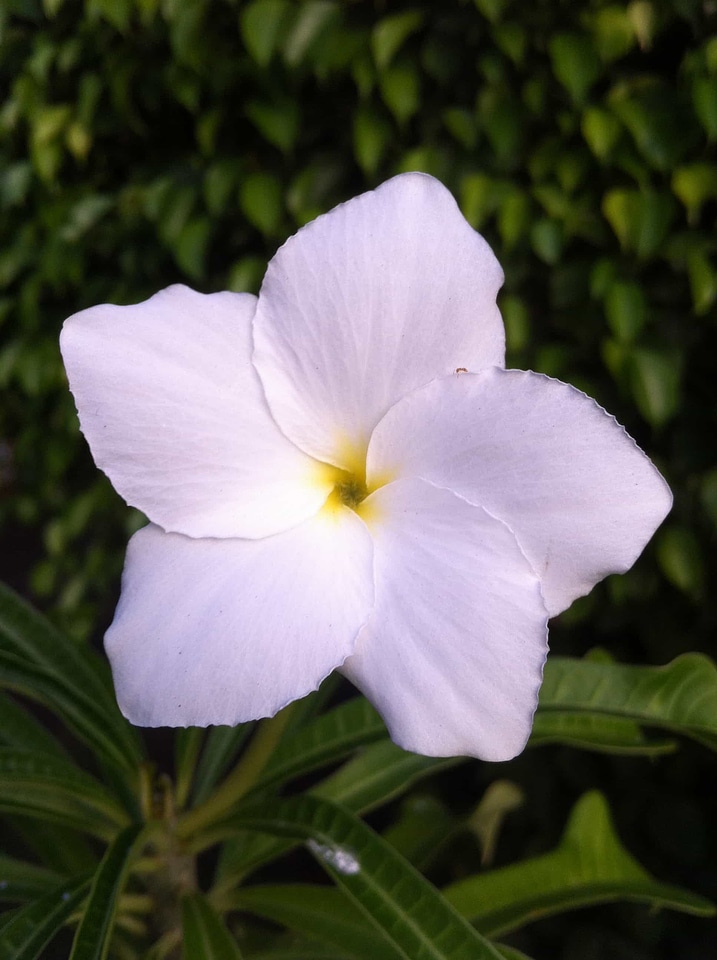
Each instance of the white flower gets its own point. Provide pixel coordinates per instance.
(328, 489)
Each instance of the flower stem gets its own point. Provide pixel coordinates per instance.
(241, 779)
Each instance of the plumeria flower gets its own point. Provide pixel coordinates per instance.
(341, 473)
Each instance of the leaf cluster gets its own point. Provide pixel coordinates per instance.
(112, 849)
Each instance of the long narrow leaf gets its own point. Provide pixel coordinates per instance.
(39, 785)
(380, 773)
(204, 934)
(393, 895)
(20, 881)
(39, 662)
(25, 936)
(57, 846)
(589, 866)
(187, 747)
(680, 697)
(592, 731)
(18, 728)
(92, 939)
(220, 750)
(328, 739)
(324, 913)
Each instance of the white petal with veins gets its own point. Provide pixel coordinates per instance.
(368, 302)
(453, 654)
(176, 417)
(579, 494)
(223, 631)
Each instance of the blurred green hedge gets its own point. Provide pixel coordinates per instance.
(144, 142)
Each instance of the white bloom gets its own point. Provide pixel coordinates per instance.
(326, 490)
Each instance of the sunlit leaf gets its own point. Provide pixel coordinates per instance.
(263, 23)
(680, 697)
(390, 33)
(589, 866)
(592, 731)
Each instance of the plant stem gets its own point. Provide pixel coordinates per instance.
(241, 779)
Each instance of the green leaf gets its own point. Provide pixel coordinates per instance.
(371, 137)
(601, 131)
(424, 824)
(575, 63)
(18, 728)
(658, 120)
(640, 219)
(319, 912)
(499, 800)
(313, 21)
(400, 87)
(377, 774)
(626, 310)
(395, 897)
(655, 380)
(703, 281)
(613, 31)
(390, 33)
(263, 24)
(40, 785)
(546, 237)
(92, 939)
(278, 121)
(589, 866)
(491, 9)
(260, 197)
(191, 246)
(220, 750)
(325, 740)
(204, 935)
(694, 184)
(58, 847)
(680, 697)
(603, 734)
(40, 663)
(25, 881)
(704, 100)
(25, 935)
(187, 746)
(680, 557)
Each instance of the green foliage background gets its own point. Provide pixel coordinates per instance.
(144, 142)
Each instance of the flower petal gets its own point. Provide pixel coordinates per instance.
(368, 302)
(175, 415)
(223, 631)
(452, 655)
(579, 494)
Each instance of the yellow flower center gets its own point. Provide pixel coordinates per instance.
(349, 485)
